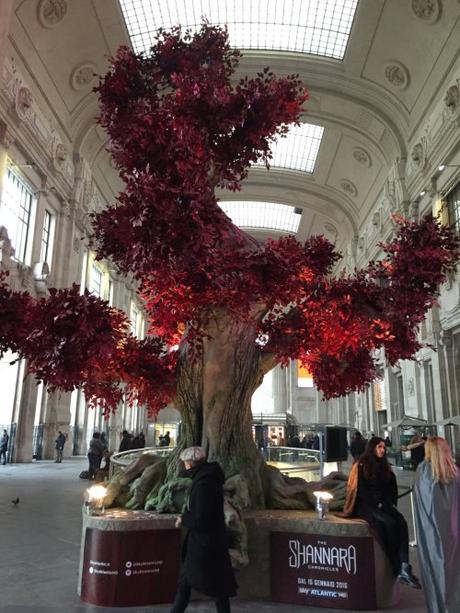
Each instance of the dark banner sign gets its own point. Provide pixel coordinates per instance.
(133, 568)
(322, 571)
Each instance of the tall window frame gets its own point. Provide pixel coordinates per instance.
(453, 208)
(96, 280)
(17, 208)
(47, 240)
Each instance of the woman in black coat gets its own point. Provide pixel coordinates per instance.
(206, 561)
(372, 495)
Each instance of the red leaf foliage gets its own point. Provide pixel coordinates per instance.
(72, 339)
(180, 126)
(190, 129)
(336, 324)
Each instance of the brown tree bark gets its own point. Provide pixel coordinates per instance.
(214, 396)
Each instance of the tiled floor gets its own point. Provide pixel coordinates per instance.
(40, 546)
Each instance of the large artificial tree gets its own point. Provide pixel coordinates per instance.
(223, 308)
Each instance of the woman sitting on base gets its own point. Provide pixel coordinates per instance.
(437, 521)
(372, 495)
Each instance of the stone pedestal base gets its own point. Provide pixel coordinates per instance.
(128, 558)
(131, 558)
(264, 576)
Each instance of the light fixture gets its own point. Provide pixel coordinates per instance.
(322, 503)
(442, 166)
(95, 499)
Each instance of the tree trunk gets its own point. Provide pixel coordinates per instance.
(214, 396)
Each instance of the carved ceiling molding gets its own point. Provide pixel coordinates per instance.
(349, 187)
(22, 102)
(51, 12)
(331, 229)
(6, 136)
(82, 76)
(396, 74)
(419, 154)
(362, 157)
(427, 10)
(60, 157)
(452, 101)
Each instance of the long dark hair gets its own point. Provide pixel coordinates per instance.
(374, 467)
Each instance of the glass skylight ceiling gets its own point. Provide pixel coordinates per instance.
(299, 149)
(318, 27)
(264, 215)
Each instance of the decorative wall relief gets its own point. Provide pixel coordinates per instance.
(331, 229)
(396, 74)
(410, 387)
(6, 138)
(452, 102)
(419, 154)
(362, 157)
(51, 12)
(376, 219)
(60, 157)
(76, 245)
(23, 103)
(349, 187)
(41, 272)
(82, 76)
(389, 195)
(414, 210)
(452, 98)
(428, 10)
(66, 206)
(6, 249)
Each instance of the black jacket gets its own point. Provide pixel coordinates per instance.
(379, 493)
(207, 565)
(357, 447)
(4, 442)
(125, 443)
(60, 441)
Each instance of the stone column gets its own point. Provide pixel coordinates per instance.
(280, 399)
(57, 418)
(23, 445)
(115, 429)
(444, 361)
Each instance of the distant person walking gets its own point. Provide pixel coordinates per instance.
(104, 441)
(437, 521)
(4, 447)
(60, 442)
(126, 441)
(358, 445)
(95, 453)
(416, 447)
(165, 440)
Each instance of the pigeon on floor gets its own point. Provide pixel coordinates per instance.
(15, 501)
